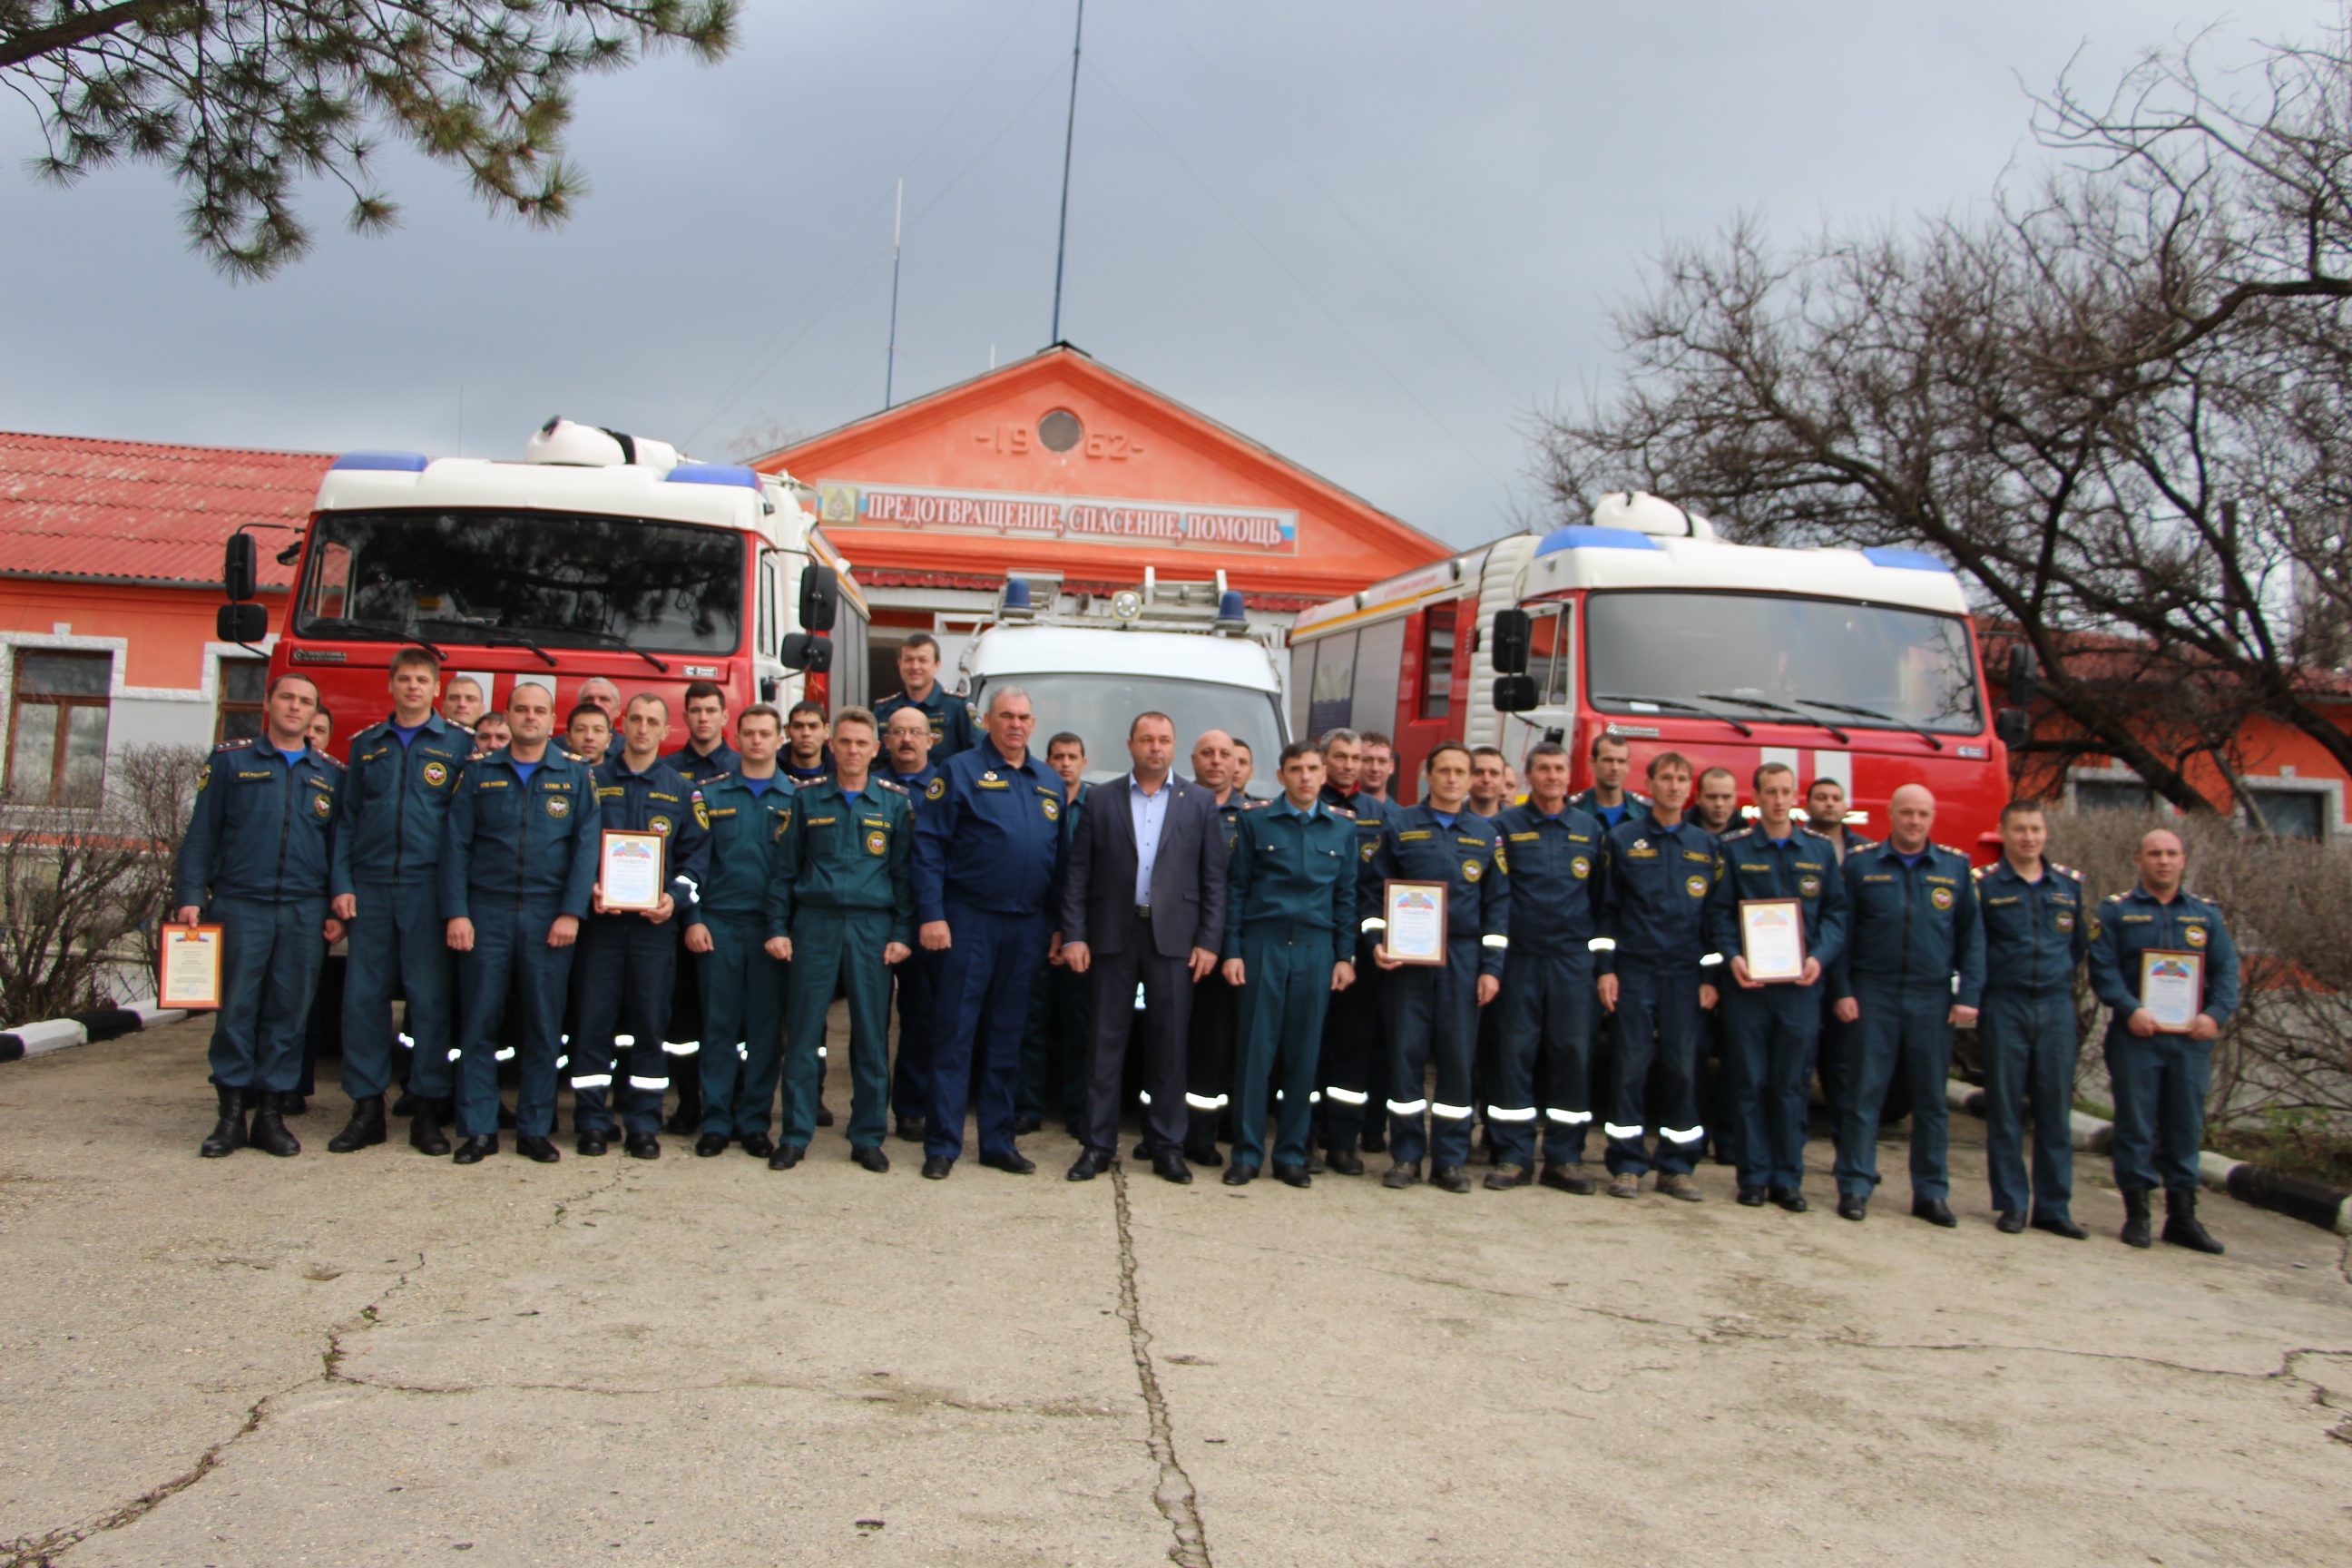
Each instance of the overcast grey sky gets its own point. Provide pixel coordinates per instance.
(1374, 236)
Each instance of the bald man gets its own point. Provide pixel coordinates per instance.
(1911, 972)
(607, 696)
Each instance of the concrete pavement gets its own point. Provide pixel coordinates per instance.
(381, 1358)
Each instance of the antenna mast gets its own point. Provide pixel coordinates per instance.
(1069, 138)
(890, 365)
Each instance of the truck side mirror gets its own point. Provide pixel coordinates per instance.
(2013, 726)
(1512, 630)
(806, 652)
(240, 573)
(2023, 682)
(820, 599)
(1514, 693)
(246, 623)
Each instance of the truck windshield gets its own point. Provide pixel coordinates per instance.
(1913, 666)
(560, 580)
(1098, 709)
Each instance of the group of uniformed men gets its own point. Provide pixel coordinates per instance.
(1590, 942)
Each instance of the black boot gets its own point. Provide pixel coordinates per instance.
(687, 1117)
(227, 1135)
(424, 1134)
(268, 1133)
(2135, 1230)
(365, 1127)
(2181, 1227)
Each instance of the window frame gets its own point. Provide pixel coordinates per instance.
(63, 703)
(222, 704)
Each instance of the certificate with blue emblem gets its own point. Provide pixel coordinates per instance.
(2173, 988)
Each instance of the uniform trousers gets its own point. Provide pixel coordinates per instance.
(840, 947)
(911, 1081)
(983, 1003)
(1209, 1046)
(270, 953)
(1352, 1054)
(2159, 1085)
(1658, 1033)
(1433, 1016)
(511, 955)
(1909, 1026)
(1053, 1035)
(1544, 1014)
(743, 1054)
(621, 984)
(2030, 1049)
(1278, 1018)
(1769, 1036)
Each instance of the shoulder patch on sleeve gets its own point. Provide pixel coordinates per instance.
(232, 745)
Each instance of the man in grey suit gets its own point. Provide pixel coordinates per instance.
(1144, 900)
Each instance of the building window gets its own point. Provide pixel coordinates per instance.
(1437, 662)
(242, 684)
(57, 731)
(2110, 794)
(2293, 814)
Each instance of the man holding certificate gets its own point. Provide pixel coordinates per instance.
(649, 867)
(1779, 914)
(2162, 961)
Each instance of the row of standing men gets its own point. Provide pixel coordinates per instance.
(1243, 935)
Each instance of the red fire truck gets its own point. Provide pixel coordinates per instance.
(1860, 665)
(600, 555)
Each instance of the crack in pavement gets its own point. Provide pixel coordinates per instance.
(1173, 1494)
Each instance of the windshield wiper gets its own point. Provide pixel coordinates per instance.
(1777, 707)
(512, 639)
(1873, 713)
(621, 643)
(1684, 708)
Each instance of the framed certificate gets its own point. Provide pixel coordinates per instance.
(1416, 916)
(190, 974)
(2172, 987)
(1772, 939)
(630, 871)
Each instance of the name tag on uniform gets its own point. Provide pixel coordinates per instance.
(1417, 834)
(1997, 903)
(1524, 838)
(993, 783)
(722, 811)
(610, 793)
(1702, 856)
(1877, 876)
(1473, 843)
(656, 794)
(823, 821)
(489, 783)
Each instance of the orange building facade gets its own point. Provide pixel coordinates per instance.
(1062, 471)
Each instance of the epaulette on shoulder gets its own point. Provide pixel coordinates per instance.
(328, 758)
(2202, 898)
(893, 787)
(1950, 850)
(2064, 871)
(1981, 872)
(2114, 899)
(1339, 811)
(245, 744)
(715, 780)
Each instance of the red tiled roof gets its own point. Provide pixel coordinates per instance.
(81, 509)
(891, 577)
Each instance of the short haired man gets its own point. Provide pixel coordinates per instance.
(1490, 781)
(606, 696)
(805, 759)
(1432, 1011)
(1911, 972)
(628, 958)
(1657, 976)
(1608, 800)
(1210, 1038)
(518, 869)
(462, 702)
(907, 746)
(841, 910)
(1143, 907)
(491, 732)
(1244, 765)
(1716, 805)
(256, 859)
(705, 754)
(1353, 1060)
(2037, 927)
(1289, 943)
(740, 1060)
(1545, 1007)
(1054, 1033)
(1374, 774)
(948, 716)
(392, 813)
(588, 733)
(321, 734)
(988, 868)
(1825, 815)
(1770, 1023)
(2160, 1079)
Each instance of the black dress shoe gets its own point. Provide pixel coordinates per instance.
(2011, 1223)
(784, 1156)
(711, 1143)
(1852, 1207)
(506, 1123)
(1292, 1175)
(1169, 1166)
(1345, 1162)
(407, 1104)
(2060, 1225)
(1206, 1153)
(540, 1150)
(1024, 1125)
(911, 1130)
(935, 1167)
(1789, 1198)
(470, 1152)
(871, 1159)
(683, 1120)
(1934, 1211)
(365, 1127)
(823, 1117)
(292, 1104)
(1240, 1173)
(268, 1133)
(1089, 1164)
(1450, 1179)
(1011, 1162)
(424, 1134)
(759, 1145)
(1751, 1197)
(593, 1142)
(641, 1146)
(227, 1135)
